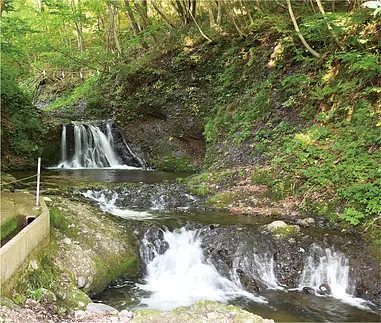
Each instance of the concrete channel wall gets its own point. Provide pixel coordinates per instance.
(16, 251)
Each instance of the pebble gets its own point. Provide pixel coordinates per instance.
(66, 241)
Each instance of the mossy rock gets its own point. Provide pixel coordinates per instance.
(201, 311)
(281, 229)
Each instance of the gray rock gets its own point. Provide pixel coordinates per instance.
(66, 241)
(81, 282)
(274, 226)
(79, 314)
(100, 308)
(305, 222)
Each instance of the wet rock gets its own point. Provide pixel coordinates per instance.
(252, 250)
(164, 197)
(282, 229)
(305, 222)
(308, 290)
(325, 289)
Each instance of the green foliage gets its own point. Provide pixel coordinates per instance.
(20, 121)
(8, 227)
(37, 295)
(58, 220)
(88, 90)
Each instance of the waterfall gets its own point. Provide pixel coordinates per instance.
(63, 144)
(92, 148)
(325, 266)
(182, 275)
(259, 266)
(110, 137)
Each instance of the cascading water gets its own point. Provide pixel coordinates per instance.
(182, 275)
(325, 266)
(259, 266)
(92, 148)
(63, 144)
(108, 204)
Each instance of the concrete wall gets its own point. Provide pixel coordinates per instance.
(14, 253)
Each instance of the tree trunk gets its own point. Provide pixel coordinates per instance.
(212, 21)
(231, 18)
(308, 47)
(78, 26)
(199, 28)
(194, 7)
(134, 24)
(111, 13)
(142, 10)
(166, 19)
(219, 12)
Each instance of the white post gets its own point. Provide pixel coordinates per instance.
(38, 180)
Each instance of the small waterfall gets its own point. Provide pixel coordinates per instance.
(259, 267)
(92, 148)
(181, 275)
(110, 137)
(325, 266)
(107, 203)
(63, 144)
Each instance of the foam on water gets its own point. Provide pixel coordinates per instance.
(181, 275)
(108, 204)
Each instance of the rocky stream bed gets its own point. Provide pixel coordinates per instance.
(118, 233)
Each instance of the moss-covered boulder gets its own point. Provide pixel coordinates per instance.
(88, 250)
(93, 247)
(202, 311)
(281, 229)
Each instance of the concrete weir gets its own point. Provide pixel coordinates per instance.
(16, 251)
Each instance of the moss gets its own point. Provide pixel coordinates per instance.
(284, 232)
(8, 227)
(130, 266)
(198, 312)
(168, 162)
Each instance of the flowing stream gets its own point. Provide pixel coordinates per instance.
(178, 249)
(178, 271)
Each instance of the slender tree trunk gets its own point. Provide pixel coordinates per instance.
(166, 19)
(142, 10)
(219, 12)
(212, 21)
(111, 12)
(247, 9)
(38, 5)
(337, 41)
(200, 30)
(194, 7)
(134, 24)
(308, 47)
(231, 18)
(78, 26)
